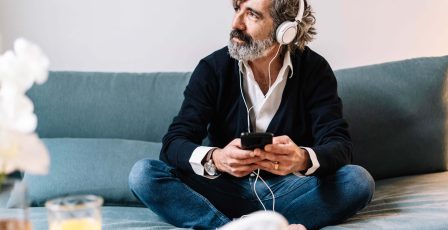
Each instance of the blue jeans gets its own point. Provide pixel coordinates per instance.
(185, 199)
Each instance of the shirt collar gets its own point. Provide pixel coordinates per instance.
(243, 65)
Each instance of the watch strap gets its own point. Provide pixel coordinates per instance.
(209, 165)
(209, 155)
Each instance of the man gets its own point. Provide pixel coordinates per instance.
(261, 82)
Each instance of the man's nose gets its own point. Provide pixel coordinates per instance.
(238, 21)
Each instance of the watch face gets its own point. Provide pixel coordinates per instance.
(210, 168)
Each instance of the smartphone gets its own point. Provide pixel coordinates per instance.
(255, 140)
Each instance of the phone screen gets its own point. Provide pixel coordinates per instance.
(255, 140)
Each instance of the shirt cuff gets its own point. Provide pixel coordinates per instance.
(314, 162)
(196, 160)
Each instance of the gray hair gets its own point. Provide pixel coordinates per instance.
(286, 10)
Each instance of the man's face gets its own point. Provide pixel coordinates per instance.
(252, 34)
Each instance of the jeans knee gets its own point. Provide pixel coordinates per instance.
(143, 174)
(137, 173)
(360, 186)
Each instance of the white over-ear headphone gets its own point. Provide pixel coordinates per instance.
(287, 31)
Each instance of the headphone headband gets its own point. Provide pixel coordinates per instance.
(301, 11)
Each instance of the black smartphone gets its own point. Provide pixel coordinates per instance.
(255, 140)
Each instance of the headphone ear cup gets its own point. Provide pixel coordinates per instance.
(286, 32)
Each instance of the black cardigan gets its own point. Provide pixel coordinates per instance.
(310, 112)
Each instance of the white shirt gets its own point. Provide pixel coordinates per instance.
(262, 112)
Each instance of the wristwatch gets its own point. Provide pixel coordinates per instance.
(209, 166)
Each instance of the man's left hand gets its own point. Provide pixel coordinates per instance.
(283, 157)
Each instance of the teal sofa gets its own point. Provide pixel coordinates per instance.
(97, 125)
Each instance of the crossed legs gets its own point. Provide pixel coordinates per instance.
(192, 201)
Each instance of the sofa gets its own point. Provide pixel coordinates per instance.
(97, 125)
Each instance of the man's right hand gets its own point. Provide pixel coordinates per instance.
(235, 161)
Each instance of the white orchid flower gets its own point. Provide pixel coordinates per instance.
(23, 152)
(36, 61)
(23, 67)
(16, 111)
(20, 147)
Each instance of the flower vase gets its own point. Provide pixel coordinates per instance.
(13, 205)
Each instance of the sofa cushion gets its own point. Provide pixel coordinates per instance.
(397, 115)
(89, 166)
(136, 106)
(411, 202)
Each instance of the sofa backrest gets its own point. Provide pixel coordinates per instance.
(136, 106)
(397, 115)
(395, 110)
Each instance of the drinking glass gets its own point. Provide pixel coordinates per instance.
(82, 212)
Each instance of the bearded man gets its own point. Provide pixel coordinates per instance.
(265, 80)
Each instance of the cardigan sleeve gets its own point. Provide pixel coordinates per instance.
(332, 142)
(189, 127)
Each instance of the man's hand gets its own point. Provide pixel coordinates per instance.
(235, 161)
(283, 157)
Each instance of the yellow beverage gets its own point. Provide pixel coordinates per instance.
(76, 224)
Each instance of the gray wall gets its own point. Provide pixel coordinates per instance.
(172, 35)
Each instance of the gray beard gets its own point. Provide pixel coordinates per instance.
(249, 52)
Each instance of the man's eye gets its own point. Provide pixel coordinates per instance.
(252, 14)
(236, 9)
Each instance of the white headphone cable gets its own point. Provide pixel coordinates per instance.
(258, 170)
(248, 129)
(269, 68)
(270, 190)
(245, 103)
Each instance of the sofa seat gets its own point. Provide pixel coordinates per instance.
(411, 202)
(114, 218)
